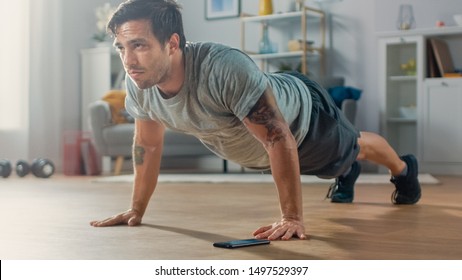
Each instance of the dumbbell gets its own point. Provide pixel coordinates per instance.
(5, 168)
(41, 168)
(22, 168)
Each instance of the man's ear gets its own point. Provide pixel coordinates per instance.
(174, 43)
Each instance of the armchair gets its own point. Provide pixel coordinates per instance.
(116, 140)
(349, 106)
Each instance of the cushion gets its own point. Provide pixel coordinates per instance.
(116, 100)
(341, 93)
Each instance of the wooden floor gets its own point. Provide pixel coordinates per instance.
(49, 219)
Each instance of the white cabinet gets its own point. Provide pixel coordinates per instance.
(442, 125)
(100, 72)
(399, 88)
(421, 114)
(307, 25)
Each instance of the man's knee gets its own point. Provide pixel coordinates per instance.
(363, 147)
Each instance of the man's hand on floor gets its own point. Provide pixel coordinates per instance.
(284, 230)
(130, 217)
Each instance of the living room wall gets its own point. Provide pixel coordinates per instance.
(60, 29)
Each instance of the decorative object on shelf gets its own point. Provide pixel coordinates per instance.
(409, 67)
(408, 112)
(218, 9)
(440, 23)
(297, 45)
(265, 7)
(265, 45)
(102, 14)
(406, 19)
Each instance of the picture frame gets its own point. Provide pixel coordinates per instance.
(219, 9)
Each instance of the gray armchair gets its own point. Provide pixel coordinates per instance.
(349, 106)
(116, 140)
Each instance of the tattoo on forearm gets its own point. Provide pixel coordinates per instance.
(262, 113)
(138, 155)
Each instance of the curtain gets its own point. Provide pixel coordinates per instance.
(14, 66)
(14, 79)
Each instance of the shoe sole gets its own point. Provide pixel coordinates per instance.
(337, 200)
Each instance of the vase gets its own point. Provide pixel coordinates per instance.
(265, 45)
(406, 17)
(265, 7)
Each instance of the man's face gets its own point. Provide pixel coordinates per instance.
(146, 61)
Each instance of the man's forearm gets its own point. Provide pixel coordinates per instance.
(286, 173)
(146, 162)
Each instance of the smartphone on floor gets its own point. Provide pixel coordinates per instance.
(241, 243)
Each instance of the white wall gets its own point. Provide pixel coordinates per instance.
(62, 28)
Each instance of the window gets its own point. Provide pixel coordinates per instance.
(14, 66)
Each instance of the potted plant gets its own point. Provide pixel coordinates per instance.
(102, 14)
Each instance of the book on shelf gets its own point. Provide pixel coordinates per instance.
(442, 58)
(432, 67)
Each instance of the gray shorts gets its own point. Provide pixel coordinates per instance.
(331, 145)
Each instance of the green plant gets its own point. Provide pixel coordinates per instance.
(102, 14)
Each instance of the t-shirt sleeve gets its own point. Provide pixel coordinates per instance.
(238, 81)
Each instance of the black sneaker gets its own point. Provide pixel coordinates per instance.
(342, 191)
(407, 187)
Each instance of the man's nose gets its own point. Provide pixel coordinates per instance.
(129, 59)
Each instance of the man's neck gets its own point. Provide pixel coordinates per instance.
(176, 77)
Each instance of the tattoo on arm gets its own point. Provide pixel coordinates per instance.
(264, 114)
(138, 155)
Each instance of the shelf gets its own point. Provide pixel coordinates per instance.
(295, 54)
(434, 31)
(401, 120)
(279, 16)
(308, 18)
(403, 78)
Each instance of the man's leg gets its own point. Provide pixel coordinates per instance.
(375, 148)
(404, 170)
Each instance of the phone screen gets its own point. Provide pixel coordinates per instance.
(241, 243)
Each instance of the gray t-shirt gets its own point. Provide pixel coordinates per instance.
(221, 86)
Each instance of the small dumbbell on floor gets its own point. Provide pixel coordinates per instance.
(5, 168)
(40, 167)
(22, 168)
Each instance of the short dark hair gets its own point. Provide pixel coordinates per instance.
(164, 16)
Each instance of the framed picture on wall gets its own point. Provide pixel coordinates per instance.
(217, 9)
